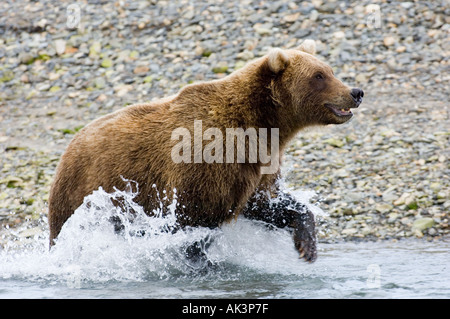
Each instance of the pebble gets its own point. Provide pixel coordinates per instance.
(314, 15)
(263, 29)
(422, 223)
(99, 83)
(388, 41)
(122, 90)
(30, 232)
(383, 208)
(335, 142)
(349, 231)
(26, 57)
(141, 69)
(221, 67)
(106, 63)
(60, 46)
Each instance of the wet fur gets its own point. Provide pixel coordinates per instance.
(275, 91)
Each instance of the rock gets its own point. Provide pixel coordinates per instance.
(189, 14)
(95, 49)
(6, 76)
(101, 98)
(220, 68)
(411, 202)
(292, 17)
(328, 6)
(446, 204)
(442, 195)
(54, 88)
(31, 232)
(422, 224)
(339, 35)
(60, 46)
(418, 233)
(31, 94)
(401, 200)
(121, 90)
(71, 50)
(392, 217)
(134, 55)
(43, 87)
(389, 195)
(239, 64)
(42, 23)
(392, 64)
(148, 79)
(314, 15)
(342, 172)
(366, 231)
(141, 69)
(389, 41)
(335, 142)
(106, 63)
(348, 212)
(435, 187)
(263, 29)
(361, 78)
(407, 5)
(12, 181)
(371, 9)
(99, 83)
(349, 231)
(246, 55)
(383, 207)
(355, 196)
(52, 76)
(26, 58)
(400, 49)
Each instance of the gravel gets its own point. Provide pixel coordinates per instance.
(384, 175)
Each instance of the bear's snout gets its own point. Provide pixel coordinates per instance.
(357, 95)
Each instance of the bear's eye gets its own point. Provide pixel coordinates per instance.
(319, 76)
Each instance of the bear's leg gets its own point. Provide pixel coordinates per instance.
(196, 256)
(285, 211)
(305, 235)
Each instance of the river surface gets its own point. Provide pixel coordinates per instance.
(244, 259)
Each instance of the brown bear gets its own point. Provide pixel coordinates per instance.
(282, 92)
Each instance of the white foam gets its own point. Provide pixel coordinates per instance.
(88, 248)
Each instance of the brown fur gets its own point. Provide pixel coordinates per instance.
(279, 90)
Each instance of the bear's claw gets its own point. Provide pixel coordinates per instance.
(305, 236)
(307, 250)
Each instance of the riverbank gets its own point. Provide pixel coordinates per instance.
(383, 175)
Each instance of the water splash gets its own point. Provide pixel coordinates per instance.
(91, 248)
(245, 259)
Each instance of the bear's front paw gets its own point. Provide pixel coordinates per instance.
(305, 236)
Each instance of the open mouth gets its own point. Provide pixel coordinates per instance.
(339, 111)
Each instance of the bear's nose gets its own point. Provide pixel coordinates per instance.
(357, 95)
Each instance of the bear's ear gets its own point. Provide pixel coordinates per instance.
(277, 60)
(308, 46)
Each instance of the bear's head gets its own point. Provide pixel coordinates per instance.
(308, 89)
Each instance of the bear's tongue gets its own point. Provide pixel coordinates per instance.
(343, 111)
(339, 111)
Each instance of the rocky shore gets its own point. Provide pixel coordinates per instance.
(384, 175)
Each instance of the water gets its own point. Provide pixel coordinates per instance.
(245, 259)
